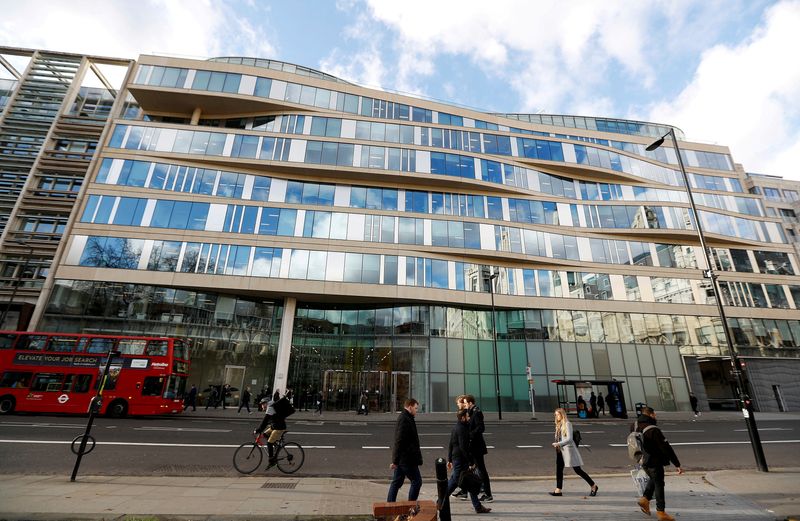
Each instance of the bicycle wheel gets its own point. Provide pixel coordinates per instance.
(290, 457)
(247, 457)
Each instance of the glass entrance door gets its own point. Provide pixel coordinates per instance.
(666, 394)
(401, 389)
(234, 376)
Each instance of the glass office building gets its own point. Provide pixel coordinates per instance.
(309, 233)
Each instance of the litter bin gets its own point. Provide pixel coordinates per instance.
(639, 407)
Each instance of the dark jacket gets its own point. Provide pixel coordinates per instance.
(271, 417)
(654, 443)
(477, 444)
(459, 444)
(406, 450)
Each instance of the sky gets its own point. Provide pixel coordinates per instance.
(723, 71)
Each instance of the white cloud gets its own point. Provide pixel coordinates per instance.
(194, 28)
(748, 96)
(547, 51)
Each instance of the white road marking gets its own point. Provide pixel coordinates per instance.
(431, 448)
(373, 447)
(178, 429)
(712, 442)
(44, 425)
(529, 446)
(354, 423)
(767, 429)
(332, 433)
(138, 444)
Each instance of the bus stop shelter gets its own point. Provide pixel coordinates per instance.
(613, 393)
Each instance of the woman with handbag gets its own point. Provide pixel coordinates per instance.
(461, 463)
(567, 454)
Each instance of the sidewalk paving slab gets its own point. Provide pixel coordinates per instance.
(699, 496)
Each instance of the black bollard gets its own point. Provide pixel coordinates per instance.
(441, 485)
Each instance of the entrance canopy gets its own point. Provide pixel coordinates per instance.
(568, 392)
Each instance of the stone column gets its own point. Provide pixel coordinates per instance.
(284, 345)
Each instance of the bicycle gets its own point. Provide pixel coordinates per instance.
(289, 456)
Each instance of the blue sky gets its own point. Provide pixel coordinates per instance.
(724, 71)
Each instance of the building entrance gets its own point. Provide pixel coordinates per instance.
(385, 390)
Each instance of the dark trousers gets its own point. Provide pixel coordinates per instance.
(244, 404)
(480, 464)
(458, 467)
(399, 476)
(560, 472)
(655, 486)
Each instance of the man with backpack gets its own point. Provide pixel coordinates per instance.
(648, 447)
(275, 418)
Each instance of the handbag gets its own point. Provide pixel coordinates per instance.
(470, 481)
(640, 480)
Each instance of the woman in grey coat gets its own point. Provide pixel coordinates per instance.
(567, 454)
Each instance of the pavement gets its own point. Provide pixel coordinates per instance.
(726, 495)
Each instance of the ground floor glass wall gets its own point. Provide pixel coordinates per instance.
(431, 353)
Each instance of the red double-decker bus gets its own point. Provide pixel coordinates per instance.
(61, 372)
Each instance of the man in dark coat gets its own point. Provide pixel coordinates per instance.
(460, 459)
(191, 399)
(659, 455)
(478, 445)
(406, 453)
(593, 405)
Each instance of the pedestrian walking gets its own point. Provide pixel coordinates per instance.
(245, 401)
(406, 453)
(461, 404)
(581, 406)
(567, 454)
(659, 455)
(601, 404)
(191, 399)
(477, 445)
(309, 399)
(318, 396)
(363, 404)
(693, 402)
(277, 395)
(459, 458)
(593, 405)
(226, 391)
(213, 397)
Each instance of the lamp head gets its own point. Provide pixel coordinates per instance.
(655, 144)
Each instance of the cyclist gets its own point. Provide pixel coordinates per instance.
(273, 425)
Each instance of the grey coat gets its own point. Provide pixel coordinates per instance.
(569, 451)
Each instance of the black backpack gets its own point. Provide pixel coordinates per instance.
(576, 437)
(283, 407)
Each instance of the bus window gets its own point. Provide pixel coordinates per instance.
(7, 340)
(81, 345)
(127, 346)
(180, 349)
(100, 345)
(15, 379)
(62, 344)
(157, 348)
(49, 382)
(32, 342)
(153, 386)
(77, 383)
(175, 388)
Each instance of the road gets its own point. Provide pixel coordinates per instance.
(186, 445)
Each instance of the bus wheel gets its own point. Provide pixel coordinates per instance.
(118, 409)
(7, 404)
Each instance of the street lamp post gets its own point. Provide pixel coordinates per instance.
(17, 281)
(736, 364)
(492, 277)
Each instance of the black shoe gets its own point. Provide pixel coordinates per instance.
(482, 510)
(552, 493)
(593, 492)
(463, 496)
(486, 499)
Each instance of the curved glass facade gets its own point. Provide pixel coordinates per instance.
(230, 201)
